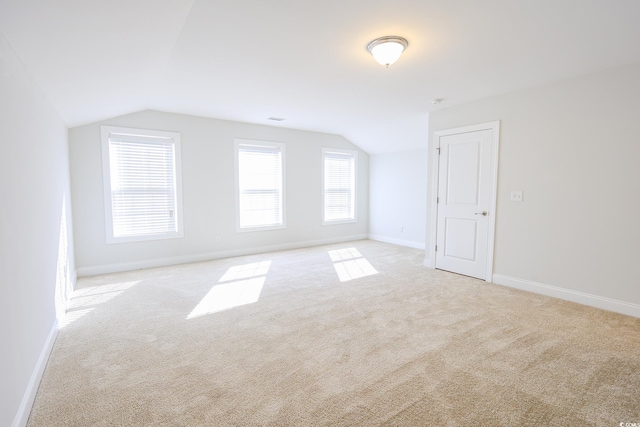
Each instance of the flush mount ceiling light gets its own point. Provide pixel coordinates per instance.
(386, 50)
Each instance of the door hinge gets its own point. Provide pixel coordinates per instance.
(438, 148)
(436, 248)
(437, 199)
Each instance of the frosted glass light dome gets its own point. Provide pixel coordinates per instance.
(387, 50)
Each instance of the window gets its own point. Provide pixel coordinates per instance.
(260, 185)
(339, 185)
(142, 184)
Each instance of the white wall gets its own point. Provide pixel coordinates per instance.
(573, 147)
(398, 197)
(208, 193)
(34, 189)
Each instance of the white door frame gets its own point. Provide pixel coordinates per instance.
(430, 261)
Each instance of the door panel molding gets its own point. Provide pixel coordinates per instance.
(433, 191)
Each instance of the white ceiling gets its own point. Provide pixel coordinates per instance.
(247, 60)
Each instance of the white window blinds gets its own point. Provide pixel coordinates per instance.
(339, 185)
(143, 187)
(260, 185)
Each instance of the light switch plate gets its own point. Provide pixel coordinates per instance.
(516, 196)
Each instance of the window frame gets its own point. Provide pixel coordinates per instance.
(238, 142)
(349, 152)
(106, 133)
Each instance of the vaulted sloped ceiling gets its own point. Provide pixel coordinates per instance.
(306, 61)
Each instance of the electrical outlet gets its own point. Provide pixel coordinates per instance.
(218, 238)
(402, 228)
(516, 196)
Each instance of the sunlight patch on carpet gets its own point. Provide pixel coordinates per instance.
(91, 297)
(350, 264)
(344, 254)
(245, 271)
(243, 285)
(72, 316)
(98, 294)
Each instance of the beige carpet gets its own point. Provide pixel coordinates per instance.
(400, 346)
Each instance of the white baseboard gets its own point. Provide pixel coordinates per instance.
(408, 243)
(604, 303)
(161, 262)
(34, 382)
(427, 263)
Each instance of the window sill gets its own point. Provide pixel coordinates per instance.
(340, 221)
(130, 239)
(260, 228)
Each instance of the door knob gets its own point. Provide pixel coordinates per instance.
(483, 213)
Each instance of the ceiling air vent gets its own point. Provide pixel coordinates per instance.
(276, 119)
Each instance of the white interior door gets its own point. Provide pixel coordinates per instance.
(466, 188)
